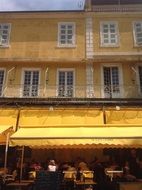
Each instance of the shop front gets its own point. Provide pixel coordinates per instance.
(66, 134)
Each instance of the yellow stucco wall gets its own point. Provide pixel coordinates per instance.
(38, 38)
(125, 28)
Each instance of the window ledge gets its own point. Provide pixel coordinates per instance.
(110, 45)
(137, 45)
(4, 46)
(66, 46)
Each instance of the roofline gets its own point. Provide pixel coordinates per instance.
(44, 11)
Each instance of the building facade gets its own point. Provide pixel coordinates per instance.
(94, 53)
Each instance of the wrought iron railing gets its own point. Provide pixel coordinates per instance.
(117, 8)
(89, 91)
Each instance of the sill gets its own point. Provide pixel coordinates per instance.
(66, 46)
(110, 45)
(137, 46)
(4, 46)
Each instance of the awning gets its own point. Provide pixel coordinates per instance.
(61, 116)
(128, 116)
(4, 129)
(78, 137)
(8, 117)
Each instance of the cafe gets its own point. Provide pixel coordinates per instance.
(66, 134)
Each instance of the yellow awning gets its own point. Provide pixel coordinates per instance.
(4, 129)
(128, 116)
(78, 137)
(59, 117)
(8, 117)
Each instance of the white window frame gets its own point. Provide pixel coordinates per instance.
(73, 31)
(57, 81)
(102, 34)
(120, 79)
(22, 80)
(135, 34)
(8, 35)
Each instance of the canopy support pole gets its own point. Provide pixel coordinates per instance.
(104, 115)
(21, 167)
(6, 152)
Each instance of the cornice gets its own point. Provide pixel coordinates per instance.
(35, 15)
(56, 60)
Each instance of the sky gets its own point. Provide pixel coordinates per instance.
(35, 5)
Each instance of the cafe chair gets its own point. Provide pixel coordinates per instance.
(10, 177)
(69, 175)
(88, 175)
(69, 179)
(32, 175)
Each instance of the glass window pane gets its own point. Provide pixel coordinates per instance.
(4, 34)
(31, 83)
(63, 27)
(140, 77)
(63, 31)
(66, 34)
(112, 30)
(70, 27)
(63, 37)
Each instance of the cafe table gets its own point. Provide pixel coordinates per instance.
(112, 173)
(20, 185)
(83, 184)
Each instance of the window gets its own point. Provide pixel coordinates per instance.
(4, 34)
(2, 73)
(138, 33)
(109, 34)
(111, 82)
(31, 83)
(66, 34)
(140, 77)
(65, 83)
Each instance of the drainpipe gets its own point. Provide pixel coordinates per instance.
(17, 121)
(8, 74)
(6, 82)
(104, 115)
(46, 80)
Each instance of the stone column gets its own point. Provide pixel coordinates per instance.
(89, 58)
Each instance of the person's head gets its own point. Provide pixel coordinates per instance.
(52, 162)
(126, 164)
(133, 152)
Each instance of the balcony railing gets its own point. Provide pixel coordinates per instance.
(117, 8)
(89, 91)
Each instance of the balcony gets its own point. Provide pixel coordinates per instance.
(70, 91)
(118, 8)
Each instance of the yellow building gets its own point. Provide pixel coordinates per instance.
(73, 78)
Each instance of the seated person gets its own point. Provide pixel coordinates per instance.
(52, 166)
(127, 175)
(85, 171)
(70, 172)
